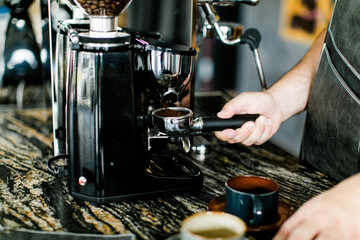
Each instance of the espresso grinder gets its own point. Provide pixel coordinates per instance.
(107, 119)
(124, 119)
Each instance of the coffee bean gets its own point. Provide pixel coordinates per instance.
(103, 7)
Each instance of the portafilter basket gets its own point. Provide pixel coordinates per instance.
(172, 120)
(175, 120)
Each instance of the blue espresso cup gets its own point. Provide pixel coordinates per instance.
(254, 199)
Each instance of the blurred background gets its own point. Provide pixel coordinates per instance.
(288, 27)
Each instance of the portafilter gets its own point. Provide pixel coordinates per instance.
(175, 120)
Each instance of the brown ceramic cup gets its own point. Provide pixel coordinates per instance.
(254, 199)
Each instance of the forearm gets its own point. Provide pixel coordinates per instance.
(292, 91)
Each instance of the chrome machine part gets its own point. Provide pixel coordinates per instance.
(230, 30)
(186, 144)
(171, 65)
(259, 69)
(213, 20)
(197, 124)
(100, 24)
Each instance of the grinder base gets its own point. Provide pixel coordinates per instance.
(164, 174)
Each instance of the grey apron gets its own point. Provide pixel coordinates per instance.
(332, 127)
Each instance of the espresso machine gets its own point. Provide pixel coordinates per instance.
(128, 109)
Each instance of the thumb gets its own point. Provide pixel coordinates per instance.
(231, 108)
(226, 112)
(247, 103)
(237, 105)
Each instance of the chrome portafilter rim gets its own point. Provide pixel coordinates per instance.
(172, 124)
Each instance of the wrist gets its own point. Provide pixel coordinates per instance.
(290, 94)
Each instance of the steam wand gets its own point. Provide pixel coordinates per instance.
(251, 36)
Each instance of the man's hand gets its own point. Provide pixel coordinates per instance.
(334, 214)
(256, 132)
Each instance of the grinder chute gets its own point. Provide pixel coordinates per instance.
(169, 68)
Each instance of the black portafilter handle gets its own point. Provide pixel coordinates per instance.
(219, 124)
